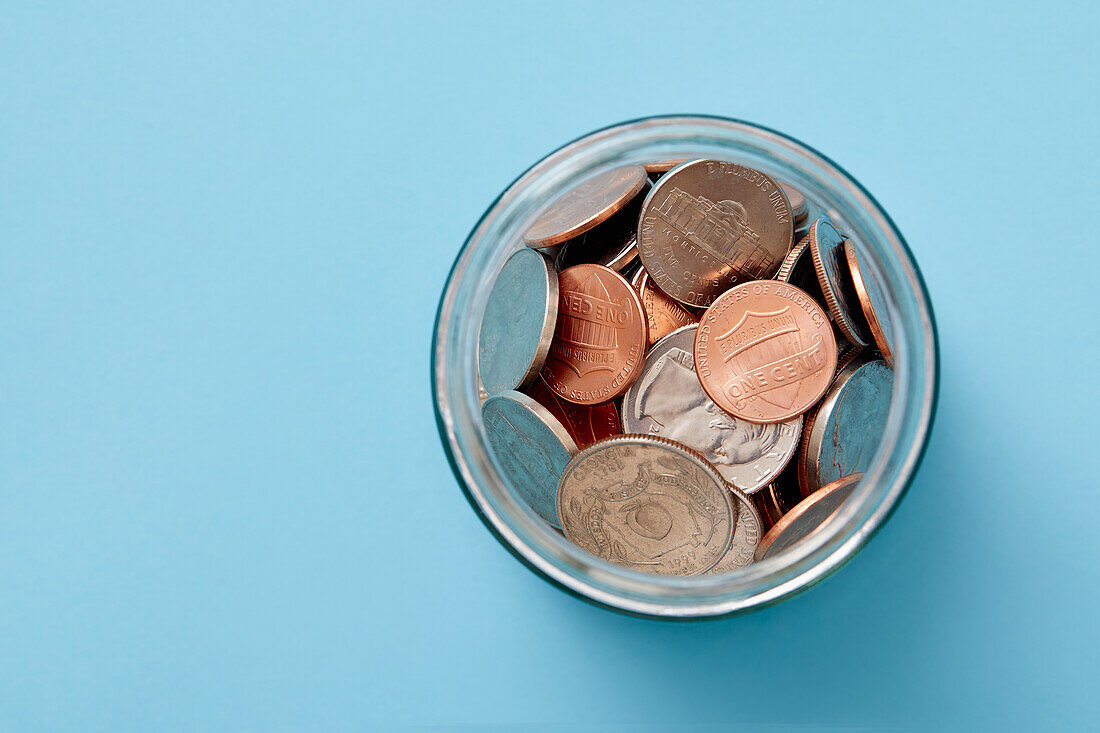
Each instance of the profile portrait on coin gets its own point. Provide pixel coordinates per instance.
(681, 407)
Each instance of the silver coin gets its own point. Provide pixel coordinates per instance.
(519, 322)
(746, 536)
(647, 504)
(532, 447)
(831, 264)
(842, 433)
(668, 401)
(806, 517)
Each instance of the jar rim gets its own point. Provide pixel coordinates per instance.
(596, 581)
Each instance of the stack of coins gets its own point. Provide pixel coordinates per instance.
(684, 371)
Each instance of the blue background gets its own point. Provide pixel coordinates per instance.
(224, 232)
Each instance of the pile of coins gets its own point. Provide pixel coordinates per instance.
(686, 369)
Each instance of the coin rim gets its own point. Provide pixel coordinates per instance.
(663, 442)
(746, 501)
(834, 298)
(800, 509)
(864, 296)
(597, 218)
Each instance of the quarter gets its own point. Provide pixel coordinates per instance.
(532, 448)
(827, 249)
(518, 324)
(647, 503)
(842, 433)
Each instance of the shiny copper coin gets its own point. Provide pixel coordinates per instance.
(587, 424)
(804, 519)
(600, 341)
(583, 207)
(663, 166)
(708, 224)
(765, 351)
(827, 250)
(873, 302)
(663, 314)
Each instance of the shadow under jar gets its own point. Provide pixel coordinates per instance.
(883, 255)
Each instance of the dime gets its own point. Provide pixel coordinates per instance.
(583, 207)
(532, 447)
(668, 401)
(663, 314)
(842, 433)
(746, 536)
(518, 323)
(810, 513)
(827, 249)
(648, 504)
(599, 345)
(873, 302)
(709, 224)
(587, 424)
(765, 351)
(799, 210)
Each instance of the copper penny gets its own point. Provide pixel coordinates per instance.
(586, 423)
(873, 302)
(600, 341)
(827, 250)
(583, 207)
(765, 351)
(805, 518)
(709, 224)
(663, 314)
(658, 167)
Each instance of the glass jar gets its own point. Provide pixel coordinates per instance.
(499, 233)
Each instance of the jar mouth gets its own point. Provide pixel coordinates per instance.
(499, 232)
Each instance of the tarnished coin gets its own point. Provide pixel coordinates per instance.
(663, 166)
(775, 500)
(587, 424)
(599, 345)
(709, 224)
(873, 302)
(765, 351)
(668, 401)
(532, 447)
(799, 209)
(842, 433)
(648, 504)
(746, 536)
(827, 250)
(810, 513)
(663, 314)
(518, 323)
(583, 207)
